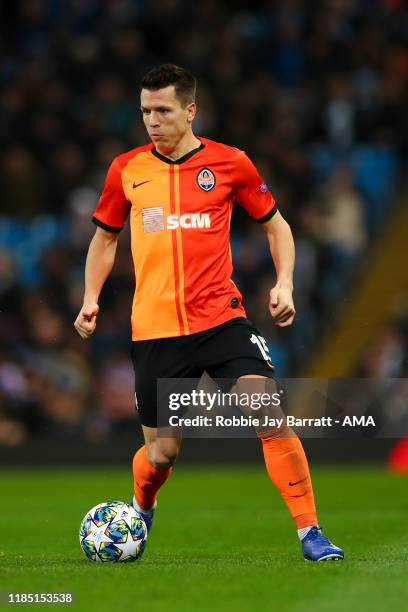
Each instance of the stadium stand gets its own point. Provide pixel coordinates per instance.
(317, 96)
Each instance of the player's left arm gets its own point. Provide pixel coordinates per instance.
(253, 194)
(282, 249)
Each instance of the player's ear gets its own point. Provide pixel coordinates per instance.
(191, 111)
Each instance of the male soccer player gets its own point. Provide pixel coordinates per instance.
(187, 314)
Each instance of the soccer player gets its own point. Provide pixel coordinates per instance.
(187, 315)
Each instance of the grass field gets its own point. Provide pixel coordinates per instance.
(222, 540)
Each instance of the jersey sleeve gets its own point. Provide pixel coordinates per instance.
(251, 192)
(113, 207)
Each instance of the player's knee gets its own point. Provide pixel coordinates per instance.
(270, 433)
(161, 457)
(161, 461)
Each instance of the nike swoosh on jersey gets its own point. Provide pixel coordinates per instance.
(139, 184)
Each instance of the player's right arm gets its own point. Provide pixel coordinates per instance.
(99, 263)
(109, 216)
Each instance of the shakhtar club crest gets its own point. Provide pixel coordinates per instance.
(206, 179)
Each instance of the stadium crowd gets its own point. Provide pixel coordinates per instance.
(316, 93)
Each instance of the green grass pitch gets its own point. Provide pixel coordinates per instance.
(222, 540)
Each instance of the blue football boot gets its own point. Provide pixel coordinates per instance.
(316, 547)
(146, 516)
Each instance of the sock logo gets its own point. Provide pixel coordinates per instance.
(292, 484)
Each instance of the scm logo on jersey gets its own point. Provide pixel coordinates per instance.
(206, 179)
(154, 220)
(193, 221)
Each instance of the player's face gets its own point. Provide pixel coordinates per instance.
(167, 121)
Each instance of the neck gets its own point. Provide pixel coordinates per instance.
(188, 143)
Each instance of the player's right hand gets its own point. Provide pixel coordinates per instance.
(86, 320)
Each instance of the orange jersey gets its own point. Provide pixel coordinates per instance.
(180, 215)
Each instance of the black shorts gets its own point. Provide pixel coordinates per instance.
(228, 351)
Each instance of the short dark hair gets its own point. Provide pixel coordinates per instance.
(170, 74)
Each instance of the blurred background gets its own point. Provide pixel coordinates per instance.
(316, 94)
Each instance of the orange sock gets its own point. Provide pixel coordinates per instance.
(288, 469)
(147, 479)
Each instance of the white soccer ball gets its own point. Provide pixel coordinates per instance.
(113, 531)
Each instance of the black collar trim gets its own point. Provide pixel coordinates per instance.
(180, 160)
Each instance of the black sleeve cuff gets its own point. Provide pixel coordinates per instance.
(108, 228)
(268, 216)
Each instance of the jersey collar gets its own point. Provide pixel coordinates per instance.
(180, 160)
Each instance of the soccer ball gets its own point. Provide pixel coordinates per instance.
(113, 531)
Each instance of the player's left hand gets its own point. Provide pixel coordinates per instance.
(281, 305)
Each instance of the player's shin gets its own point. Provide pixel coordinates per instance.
(288, 469)
(147, 479)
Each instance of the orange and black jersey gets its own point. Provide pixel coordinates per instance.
(180, 213)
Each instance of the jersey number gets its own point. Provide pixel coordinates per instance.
(261, 342)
